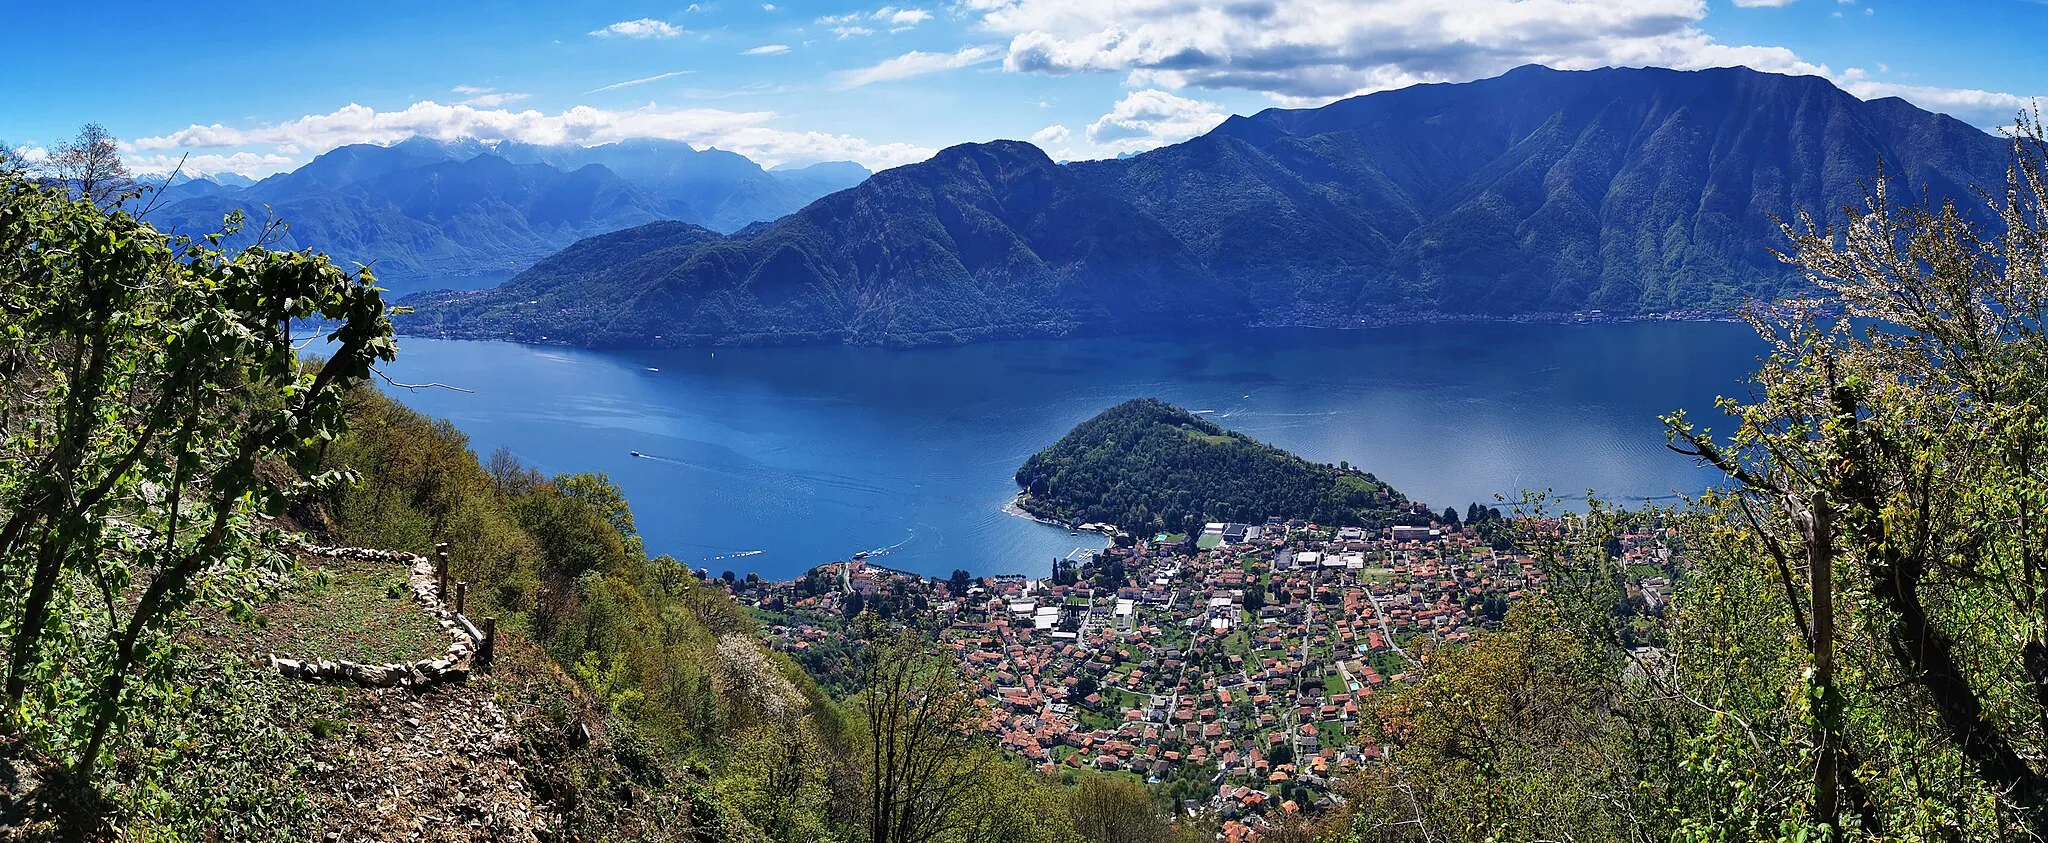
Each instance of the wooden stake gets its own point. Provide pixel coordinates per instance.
(489, 644)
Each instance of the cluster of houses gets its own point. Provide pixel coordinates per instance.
(1243, 671)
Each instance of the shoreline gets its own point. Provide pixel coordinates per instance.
(813, 340)
(1016, 508)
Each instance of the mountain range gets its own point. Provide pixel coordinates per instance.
(434, 213)
(1535, 194)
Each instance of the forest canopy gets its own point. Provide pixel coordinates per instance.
(1148, 466)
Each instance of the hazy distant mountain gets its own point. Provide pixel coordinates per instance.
(981, 241)
(713, 188)
(822, 178)
(1630, 191)
(423, 212)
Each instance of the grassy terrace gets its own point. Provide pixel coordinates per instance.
(339, 609)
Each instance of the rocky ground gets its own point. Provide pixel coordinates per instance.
(431, 765)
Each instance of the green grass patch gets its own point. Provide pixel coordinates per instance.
(339, 609)
(1209, 541)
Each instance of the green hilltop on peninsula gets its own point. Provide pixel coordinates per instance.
(1148, 466)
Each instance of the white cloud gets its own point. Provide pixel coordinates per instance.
(765, 50)
(251, 164)
(486, 97)
(847, 25)
(494, 100)
(767, 7)
(642, 28)
(31, 154)
(902, 19)
(1146, 119)
(1319, 50)
(917, 63)
(1309, 52)
(1050, 135)
(1980, 108)
(641, 81)
(743, 132)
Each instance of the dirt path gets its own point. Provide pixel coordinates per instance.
(432, 765)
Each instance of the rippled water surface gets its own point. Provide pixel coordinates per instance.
(813, 454)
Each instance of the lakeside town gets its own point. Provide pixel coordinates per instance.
(1237, 666)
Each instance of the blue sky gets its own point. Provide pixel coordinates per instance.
(260, 87)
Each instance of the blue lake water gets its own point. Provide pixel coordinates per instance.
(813, 454)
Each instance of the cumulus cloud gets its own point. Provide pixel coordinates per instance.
(1981, 108)
(917, 63)
(1146, 119)
(765, 50)
(642, 28)
(851, 31)
(30, 154)
(1318, 50)
(743, 132)
(1309, 52)
(902, 19)
(1053, 134)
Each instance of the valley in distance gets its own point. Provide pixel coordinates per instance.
(259, 595)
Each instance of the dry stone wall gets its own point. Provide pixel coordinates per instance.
(453, 665)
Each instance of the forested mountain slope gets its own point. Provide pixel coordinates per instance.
(1633, 192)
(982, 241)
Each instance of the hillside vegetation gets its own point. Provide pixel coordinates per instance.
(1629, 191)
(1147, 466)
(165, 449)
(981, 242)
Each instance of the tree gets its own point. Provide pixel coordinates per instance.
(1009, 804)
(960, 583)
(1507, 738)
(1115, 809)
(1450, 517)
(150, 386)
(90, 163)
(923, 751)
(1254, 599)
(1890, 483)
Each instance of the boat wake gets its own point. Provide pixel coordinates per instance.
(884, 551)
